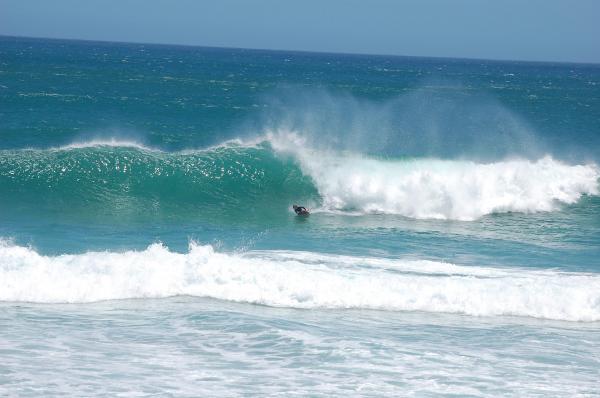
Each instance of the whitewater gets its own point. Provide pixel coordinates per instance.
(148, 245)
(297, 280)
(440, 189)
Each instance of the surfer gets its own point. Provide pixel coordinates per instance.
(301, 210)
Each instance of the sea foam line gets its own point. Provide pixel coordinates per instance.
(123, 143)
(298, 280)
(110, 142)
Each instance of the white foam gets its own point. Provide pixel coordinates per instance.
(120, 143)
(297, 279)
(438, 189)
(110, 142)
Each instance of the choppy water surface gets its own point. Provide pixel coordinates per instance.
(147, 242)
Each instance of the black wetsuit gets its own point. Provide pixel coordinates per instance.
(301, 210)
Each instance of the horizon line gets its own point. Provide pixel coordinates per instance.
(296, 51)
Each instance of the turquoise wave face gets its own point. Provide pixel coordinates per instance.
(124, 183)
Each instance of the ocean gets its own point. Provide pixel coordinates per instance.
(148, 245)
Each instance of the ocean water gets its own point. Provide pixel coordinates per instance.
(148, 245)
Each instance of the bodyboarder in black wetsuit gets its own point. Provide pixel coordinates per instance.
(300, 210)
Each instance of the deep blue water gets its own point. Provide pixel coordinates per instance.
(147, 241)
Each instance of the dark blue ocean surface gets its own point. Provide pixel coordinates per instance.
(453, 246)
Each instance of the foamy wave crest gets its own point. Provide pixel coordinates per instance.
(439, 189)
(111, 142)
(297, 279)
(121, 143)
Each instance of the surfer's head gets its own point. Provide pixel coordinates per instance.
(295, 206)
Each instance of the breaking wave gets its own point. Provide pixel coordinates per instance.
(278, 169)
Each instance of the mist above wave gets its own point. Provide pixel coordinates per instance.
(448, 122)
